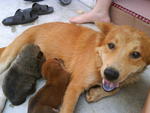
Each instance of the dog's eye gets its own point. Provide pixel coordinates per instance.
(135, 54)
(111, 45)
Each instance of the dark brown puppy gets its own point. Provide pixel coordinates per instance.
(22, 74)
(49, 98)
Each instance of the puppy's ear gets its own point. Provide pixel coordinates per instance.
(105, 27)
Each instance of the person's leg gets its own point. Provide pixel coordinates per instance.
(99, 13)
(146, 108)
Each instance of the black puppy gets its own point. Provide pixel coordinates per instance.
(22, 74)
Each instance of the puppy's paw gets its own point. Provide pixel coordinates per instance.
(94, 94)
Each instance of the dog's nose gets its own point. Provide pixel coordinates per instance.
(111, 74)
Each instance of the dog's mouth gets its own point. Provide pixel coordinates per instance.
(109, 86)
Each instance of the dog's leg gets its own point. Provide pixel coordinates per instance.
(5, 61)
(77, 85)
(71, 97)
(2, 96)
(2, 100)
(97, 93)
(7, 55)
(3, 66)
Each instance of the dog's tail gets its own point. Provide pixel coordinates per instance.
(9, 53)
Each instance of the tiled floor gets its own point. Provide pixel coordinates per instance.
(128, 100)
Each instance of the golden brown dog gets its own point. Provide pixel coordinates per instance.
(109, 58)
(50, 96)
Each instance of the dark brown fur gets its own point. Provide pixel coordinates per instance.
(51, 95)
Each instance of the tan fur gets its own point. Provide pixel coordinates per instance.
(84, 52)
(126, 40)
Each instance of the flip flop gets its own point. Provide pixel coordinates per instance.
(42, 9)
(21, 17)
(34, 0)
(65, 2)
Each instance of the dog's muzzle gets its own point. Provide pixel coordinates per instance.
(111, 75)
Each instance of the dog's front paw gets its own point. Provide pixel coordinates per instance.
(94, 94)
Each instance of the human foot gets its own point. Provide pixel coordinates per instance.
(90, 17)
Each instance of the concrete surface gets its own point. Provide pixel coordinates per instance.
(128, 100)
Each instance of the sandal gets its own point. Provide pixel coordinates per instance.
(21, 17)
(42, 9)
(65, 2)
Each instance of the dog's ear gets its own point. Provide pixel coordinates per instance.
(105, 27)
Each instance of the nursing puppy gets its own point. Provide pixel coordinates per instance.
(110, 58)
(20, 77)
(49, 98)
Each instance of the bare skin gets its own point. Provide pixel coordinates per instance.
(100, 13)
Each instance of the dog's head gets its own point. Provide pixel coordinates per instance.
(123, 52)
